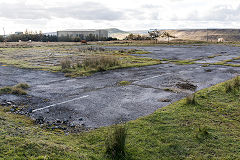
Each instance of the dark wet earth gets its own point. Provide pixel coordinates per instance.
(98, 100)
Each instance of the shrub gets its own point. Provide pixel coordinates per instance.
(191, 99)
(115, 142)
(65, 63)
(101, 63)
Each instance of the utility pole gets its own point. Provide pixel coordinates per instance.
(4, 33)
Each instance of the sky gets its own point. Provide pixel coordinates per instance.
(54, 15)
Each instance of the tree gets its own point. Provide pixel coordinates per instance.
(154, 34)
(1, 39)
(168, 35)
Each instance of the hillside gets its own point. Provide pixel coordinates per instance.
(201, 34)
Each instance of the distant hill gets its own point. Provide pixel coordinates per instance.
(204, 34)
(120, 34)
(139, 32)
(115, 30)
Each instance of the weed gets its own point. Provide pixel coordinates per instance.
(65, 63)
(233, 85)
(202, 133)
(115, 142)
(124, 83)
(101, 63)
(5, 90)
(22, 86)
(17, 89)
(228, 87)
(191, 99)
(236, 82)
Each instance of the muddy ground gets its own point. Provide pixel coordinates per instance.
(98, 100)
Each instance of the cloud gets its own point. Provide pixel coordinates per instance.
(82, 11)
(223, 13)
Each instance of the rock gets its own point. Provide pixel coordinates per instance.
(165, 100)
(207, 70)
(54, 127)
(72, 125)
(9, 103)
(187, 86)
(58, 121)
(39, 120)
(30, 110)
(12, 110)
(65, 121)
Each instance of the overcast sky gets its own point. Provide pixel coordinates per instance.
(53, 15)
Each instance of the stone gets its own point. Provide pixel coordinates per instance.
(39, 120)
(30, 110)
(12, 110)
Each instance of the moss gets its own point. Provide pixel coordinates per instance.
(124, 83)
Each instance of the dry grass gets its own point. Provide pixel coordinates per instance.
(101, 63)
(16, 90)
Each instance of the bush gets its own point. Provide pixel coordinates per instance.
(65, 63)
(115, 142)
(101, 63)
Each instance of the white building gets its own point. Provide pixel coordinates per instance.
(73, 33)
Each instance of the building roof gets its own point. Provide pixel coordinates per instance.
(80, 30)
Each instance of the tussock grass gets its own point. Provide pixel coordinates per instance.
(232, 85)
(18, 89)
(101, 63)
(115, 142)
(65, 63)
(191, 99)
(22, 86)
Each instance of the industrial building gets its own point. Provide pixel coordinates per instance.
(73, 33)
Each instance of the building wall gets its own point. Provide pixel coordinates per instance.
(99, 33)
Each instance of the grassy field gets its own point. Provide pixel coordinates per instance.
(50, 57)
(203, 126)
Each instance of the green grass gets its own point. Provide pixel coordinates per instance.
(72, 60)
(208, 129)
(117, 62)
(18, 89)
(124, 83)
